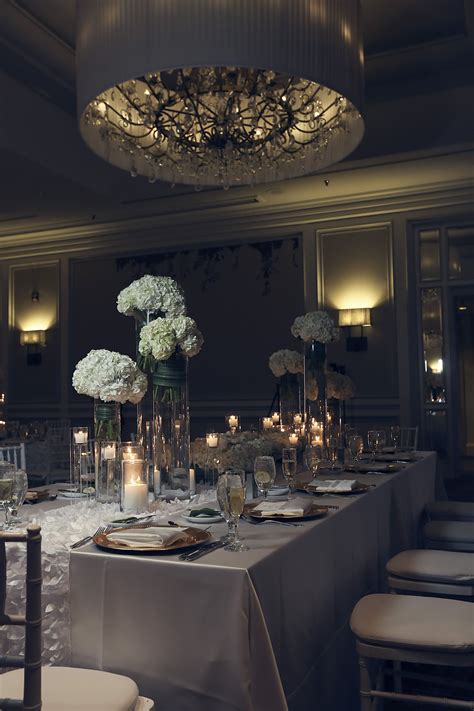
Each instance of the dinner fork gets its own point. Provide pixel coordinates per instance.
(86, 539)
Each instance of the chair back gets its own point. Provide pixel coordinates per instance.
(409, 438)
(31, 662)
(15, 453)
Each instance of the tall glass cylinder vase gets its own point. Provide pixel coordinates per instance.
(142, 406)
(107, 426)
(289, 391)
(315, 389)
(171, 446)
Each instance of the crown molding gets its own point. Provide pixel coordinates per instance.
(412, 187)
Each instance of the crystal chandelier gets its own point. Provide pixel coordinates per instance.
(226, 122)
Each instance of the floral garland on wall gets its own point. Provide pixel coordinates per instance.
(181, 264)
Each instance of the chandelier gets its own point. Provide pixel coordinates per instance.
(151, 102)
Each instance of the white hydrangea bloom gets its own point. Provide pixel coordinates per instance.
(339, 386)
(152, 293)
(110, 377)
(161, 337)
(286, 361)
(315, 326)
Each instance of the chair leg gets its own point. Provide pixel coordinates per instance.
(365, 685)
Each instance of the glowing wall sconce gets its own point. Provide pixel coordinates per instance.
(33, 340)
(348, 318)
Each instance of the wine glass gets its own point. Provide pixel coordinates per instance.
(223, 505)
(288, 463)
(332, 451)
(264, 474)
(372, 442)
(235, 490)
(313, 457)
(381, 440)
(18, 495)
(356, 446)
(395, 436)
(7, 470)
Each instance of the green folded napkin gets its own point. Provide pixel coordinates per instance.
(203, 513)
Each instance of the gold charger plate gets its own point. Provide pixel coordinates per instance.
(314, 512)
(191, 537)
(373, 467)
(359, 489)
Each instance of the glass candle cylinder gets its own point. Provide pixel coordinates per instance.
(267, 424)
(80, 459)
(233, 423)
(134, 489)
(293, 438)
(131, 450)
(107, 479)
(212, 439)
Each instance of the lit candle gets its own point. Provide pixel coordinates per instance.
(80, 437)
(233, 421)
(108, 451)
(192, 481)
(315, 427)
(212, 439)
(275, 417)
(135, 496)
(267, 423)
(293, 438)
(297, 420)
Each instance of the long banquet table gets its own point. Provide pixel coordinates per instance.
(262, 630)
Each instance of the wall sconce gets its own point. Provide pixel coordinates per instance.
(355, 317)
(33, 340)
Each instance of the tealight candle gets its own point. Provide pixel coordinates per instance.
(297, 420)
(192, 481)
(233, 421)
(212, 439)
(132, 450)
(267, 423)
(293, 438)
(315, 427)
(80, 437)
(108, 452)
(275, 417)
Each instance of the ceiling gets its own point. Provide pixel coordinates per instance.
(419, 97)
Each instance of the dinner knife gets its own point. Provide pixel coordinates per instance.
(203, 550)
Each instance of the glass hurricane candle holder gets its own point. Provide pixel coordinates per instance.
(293, 439)
(276, 418)
(80, 458)
(267, 424)
(134, 486)
(212, 439)
(132, 450)
(233, 423)
(107, 473)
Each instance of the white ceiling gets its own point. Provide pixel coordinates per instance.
(419, 96)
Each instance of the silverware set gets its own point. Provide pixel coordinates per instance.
(259, 522)
(204, 549)
(86, 539)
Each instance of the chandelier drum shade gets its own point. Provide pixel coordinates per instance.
(220, 92)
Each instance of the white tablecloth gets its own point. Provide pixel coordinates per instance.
(264, 630)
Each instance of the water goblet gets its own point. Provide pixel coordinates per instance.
(288, 463)
(372, 442)
(395, 436)
(7, 470)
(235, 491)
(332, 451)
(18, 495)
(313, 458)
(356, 446)
(264, 474)
(381, 440)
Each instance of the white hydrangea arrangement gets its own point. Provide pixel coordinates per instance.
(110, 377)
(286, 361)
(234, 451)
(315, 326)
(339, 386)
(160, 338)
(155, 294)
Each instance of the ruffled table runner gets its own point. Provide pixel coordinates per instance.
(60, 528)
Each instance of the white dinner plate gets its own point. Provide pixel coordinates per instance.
(65, 494)
(278, 491)
(203, 520)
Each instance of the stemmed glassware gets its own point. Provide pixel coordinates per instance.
(235, 490)
(395, 436)
(7, 471)
(223, 505)
(332, 451)
(356, 447)
(264, 474)
(18, 495)
(313, 458)
(376, 440)
(288, 463)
